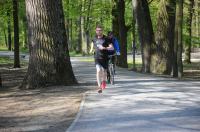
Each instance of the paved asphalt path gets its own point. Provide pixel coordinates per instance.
(137, 103)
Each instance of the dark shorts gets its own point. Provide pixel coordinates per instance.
(102, 62)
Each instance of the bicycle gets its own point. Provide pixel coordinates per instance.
(110, 72)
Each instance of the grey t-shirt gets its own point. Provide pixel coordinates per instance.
(104, 41)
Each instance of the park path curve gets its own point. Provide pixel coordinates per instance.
(137, 103)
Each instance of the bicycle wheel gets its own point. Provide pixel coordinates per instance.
(111, 70)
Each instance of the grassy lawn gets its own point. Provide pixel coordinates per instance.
(192, 66)
(6, 60)
(138, 63)
(3, 48)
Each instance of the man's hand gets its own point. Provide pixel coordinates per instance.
(101, 47)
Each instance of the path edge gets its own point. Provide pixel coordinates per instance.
(69, 129)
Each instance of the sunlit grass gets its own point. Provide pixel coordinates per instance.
(74, 54)
(6, 60)
(191, 66)
(87, 59)
(3, 48)
(22, 49)
(10, 61)
(138, 63)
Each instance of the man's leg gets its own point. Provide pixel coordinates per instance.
(98, 75)
(104, 74)
(103, 85)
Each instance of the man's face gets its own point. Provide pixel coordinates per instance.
(99, 31)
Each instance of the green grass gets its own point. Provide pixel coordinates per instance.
(74, 54)
(6, 60)
(9, 61)
(138, 63)
(22, 49)
(87, 59)
(191, 66)
(2, 48)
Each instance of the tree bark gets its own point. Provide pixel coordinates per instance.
(80, 21)
(5, 37)
(188, 42)
(87, 33)
(16, 34)
(145, 31)
(163, 58)
(122, 35)
(115, 15)
(178, 37)
(25, 28)
(49, 62)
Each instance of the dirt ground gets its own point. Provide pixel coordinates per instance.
(50, 109)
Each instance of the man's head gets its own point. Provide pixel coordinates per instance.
(110, 34)
(99, 30)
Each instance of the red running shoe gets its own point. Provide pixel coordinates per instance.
(103, 85)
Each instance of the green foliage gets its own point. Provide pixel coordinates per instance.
(100, 12)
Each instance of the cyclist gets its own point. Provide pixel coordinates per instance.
(113, 52)
(101, 44)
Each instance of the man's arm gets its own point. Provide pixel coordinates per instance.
(92, 48)
(110, 47)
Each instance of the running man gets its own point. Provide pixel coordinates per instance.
(100, 45)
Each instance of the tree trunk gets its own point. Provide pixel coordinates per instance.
(71, 34)
(16, 34)
(9, 32)
(67, 23)
(145, 31)
(115, 15)
(163, 58)
(87, 33)
(188, 42)
(134, 39)
(178, 36)
(5, 37)
(79, 45)
(49, 62)
(25, 28)
(122, 35)
(198, 18)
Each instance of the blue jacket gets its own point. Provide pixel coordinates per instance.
(116, 47)
(116, 44)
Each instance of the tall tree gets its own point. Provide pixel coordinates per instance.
(5, 37)
(87, 28)
(163, 57)
(188, 42)
(16, 34)
(115, 15)
(178, 37)
(134, 37)
(145, 31)
(80, 26)
(123, 29)
(49, 62)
